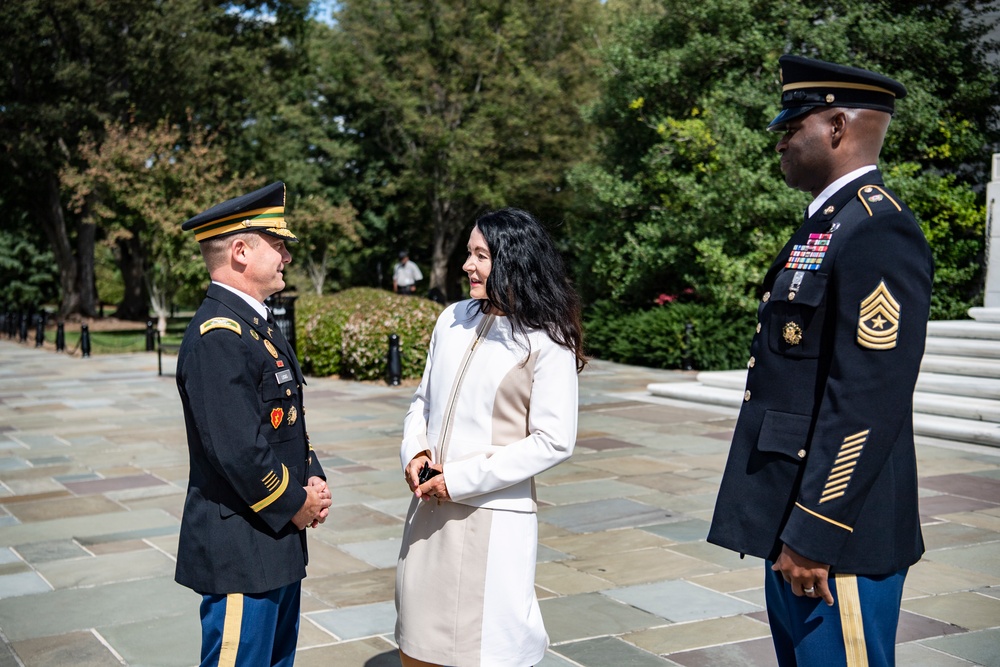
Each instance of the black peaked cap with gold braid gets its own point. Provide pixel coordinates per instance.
(807, 84)
(262, 211)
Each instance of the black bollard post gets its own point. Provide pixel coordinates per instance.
(60, 337)
(150, 336)
(40, 329)
(686, 363)
(395, 361)
(85, 340)
(23, 333)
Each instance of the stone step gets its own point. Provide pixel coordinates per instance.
(933, 383)
(963, 347)
(964, 329)
(959, 385)
(935, 415)
(958, 365)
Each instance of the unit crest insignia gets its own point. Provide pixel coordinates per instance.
(254, 335)
(792, 333)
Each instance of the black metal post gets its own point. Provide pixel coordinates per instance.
(85, 340)
(395, 361)
(40, 329)
(60, 337)
(150, 336)
(686, 363)
(23, 333)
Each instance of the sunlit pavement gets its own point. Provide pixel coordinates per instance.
(93, 467)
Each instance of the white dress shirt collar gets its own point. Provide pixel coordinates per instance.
(254, 303)
(832, 189)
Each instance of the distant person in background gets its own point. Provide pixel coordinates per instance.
(821, 480)
(255, 484)
(405, 275)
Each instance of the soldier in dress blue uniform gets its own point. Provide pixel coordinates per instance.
(255, 484)
(821, 480)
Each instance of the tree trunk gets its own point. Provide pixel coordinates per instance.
(86, 283)
(48, 211)
(135, 301)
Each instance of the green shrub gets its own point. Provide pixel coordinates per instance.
(348, 333)
(659, 338)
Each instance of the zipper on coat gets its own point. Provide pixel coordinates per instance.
(481, 331)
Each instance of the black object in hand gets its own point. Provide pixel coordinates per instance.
(427, 472)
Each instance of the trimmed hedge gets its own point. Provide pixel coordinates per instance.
(658, 337)
(347, 333)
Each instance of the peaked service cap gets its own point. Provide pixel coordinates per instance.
(807, 83)
(262, 211)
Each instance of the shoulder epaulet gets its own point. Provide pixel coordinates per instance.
(221, 323)
(874, 196)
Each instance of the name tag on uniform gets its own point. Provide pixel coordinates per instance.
(283, 376)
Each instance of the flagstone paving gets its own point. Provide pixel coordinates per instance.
(93, 468)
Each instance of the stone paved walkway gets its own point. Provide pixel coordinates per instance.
(93, 467)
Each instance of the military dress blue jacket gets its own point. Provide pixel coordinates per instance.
(241, 391)
(822, 457)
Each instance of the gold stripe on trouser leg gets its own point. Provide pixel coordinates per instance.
(231, 630)
(849, 602)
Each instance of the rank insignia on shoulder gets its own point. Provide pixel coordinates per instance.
(221, 323)
(873, 194)
(270, 348)
(878, 319)
(276, 416)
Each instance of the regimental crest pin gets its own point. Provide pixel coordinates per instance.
(270, 348)
(293, 416)
(276, 416)
(254, 334)
(792, 333)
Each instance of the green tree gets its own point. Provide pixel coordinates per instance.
(687, 193)
(457, 106)
(138, 186)
(71, 66)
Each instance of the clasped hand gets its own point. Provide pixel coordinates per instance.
(435, 487)
(317, 505)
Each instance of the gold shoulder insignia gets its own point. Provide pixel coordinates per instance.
(221, 323)
(878, 319)
(873, 194)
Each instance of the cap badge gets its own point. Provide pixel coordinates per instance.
(830, 98)
(293, 416)
(792, 333)
(276, 416)
(270, 348)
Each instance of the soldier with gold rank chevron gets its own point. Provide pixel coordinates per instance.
(821, 480)
(255, 483)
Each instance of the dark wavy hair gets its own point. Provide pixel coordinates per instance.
(528, 281)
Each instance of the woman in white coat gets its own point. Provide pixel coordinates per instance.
(496, 406)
